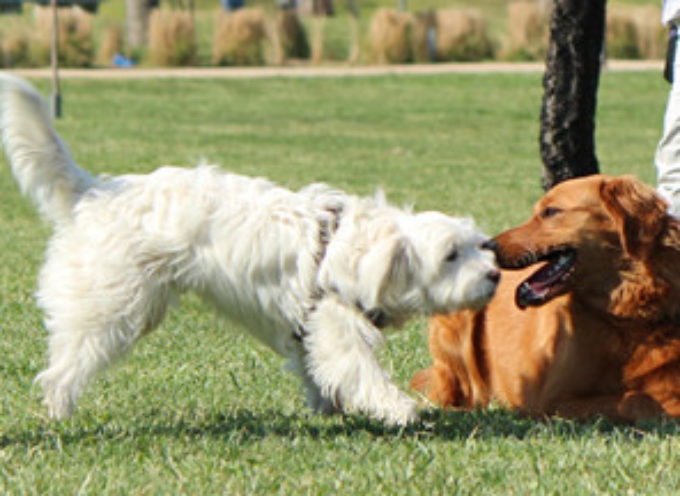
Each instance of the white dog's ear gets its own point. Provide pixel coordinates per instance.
(384, 270)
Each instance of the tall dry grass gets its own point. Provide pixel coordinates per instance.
(110, 43)
(444, 35)
(355, 41)
(249, 37)
(622, 35)
(462, 35)
(171, 38)
(424, 28)
(635, 32)
(528, 31)
(391, 35)
(76, 48)
(16, 44)
(316, 49)
(291, 36)
(241, 38)
(652, 35)
(334, 39)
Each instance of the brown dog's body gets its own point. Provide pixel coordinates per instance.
(596, 333)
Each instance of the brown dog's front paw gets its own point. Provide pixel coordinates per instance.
(636, 405)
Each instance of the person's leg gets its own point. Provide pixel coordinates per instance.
(667, 158)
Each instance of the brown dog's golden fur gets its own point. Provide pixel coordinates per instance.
(607, 342)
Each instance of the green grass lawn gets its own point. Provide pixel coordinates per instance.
(199, 409)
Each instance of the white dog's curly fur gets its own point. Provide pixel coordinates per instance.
(315, 274)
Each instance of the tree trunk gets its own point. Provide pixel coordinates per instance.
(137, 22)
(570, 90)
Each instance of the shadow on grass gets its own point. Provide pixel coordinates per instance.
(243, 426)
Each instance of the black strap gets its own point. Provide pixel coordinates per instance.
(670, 53)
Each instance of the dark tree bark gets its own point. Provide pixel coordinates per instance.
(570, 90)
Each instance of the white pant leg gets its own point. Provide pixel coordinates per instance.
(667, 158)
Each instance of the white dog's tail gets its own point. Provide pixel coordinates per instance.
(40, 161)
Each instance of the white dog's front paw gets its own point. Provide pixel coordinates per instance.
(59, 404)
(58, 398)
(404, 412)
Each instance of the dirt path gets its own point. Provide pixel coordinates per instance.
(324, 71)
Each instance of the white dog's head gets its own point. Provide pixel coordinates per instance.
(454, 269)
(400, 264)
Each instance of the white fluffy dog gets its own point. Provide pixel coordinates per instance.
(315, 274)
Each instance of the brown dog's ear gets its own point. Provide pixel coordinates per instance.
(638, 211)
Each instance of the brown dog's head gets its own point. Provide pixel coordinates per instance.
(594, 234)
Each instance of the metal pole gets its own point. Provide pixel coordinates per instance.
(56, 94)
(402, 5)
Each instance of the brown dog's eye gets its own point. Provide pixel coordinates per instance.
(452, 256)
(550, 212)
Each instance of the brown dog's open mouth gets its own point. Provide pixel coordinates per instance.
(549, 281)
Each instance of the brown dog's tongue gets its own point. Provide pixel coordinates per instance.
(526, 296)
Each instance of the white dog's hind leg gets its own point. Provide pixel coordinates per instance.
(86, 338)
(341, 361)
(73, 362)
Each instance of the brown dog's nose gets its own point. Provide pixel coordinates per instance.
(494, 276)
(490, 244)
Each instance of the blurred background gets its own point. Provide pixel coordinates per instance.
(163, 33)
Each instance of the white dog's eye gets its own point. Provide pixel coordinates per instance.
(452, 256)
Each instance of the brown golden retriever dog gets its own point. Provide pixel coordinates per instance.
(586, 319)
